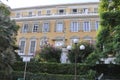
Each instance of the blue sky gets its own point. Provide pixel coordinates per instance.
(28, 3)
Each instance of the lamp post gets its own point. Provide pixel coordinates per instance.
(82, 47)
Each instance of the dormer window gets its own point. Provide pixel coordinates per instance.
(18, 15)
(74, 10)
(61, 11)
(48, 12)
(39, 13)
(85, 10)
(30, 14)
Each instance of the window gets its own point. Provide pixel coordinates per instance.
(86, 26)
(61, 11)
(74, 26)
(85, 10)
(39, 13)
(48, 12)
(25, 28)
(29, 14)
(35, 28)
(95, 10)
(74, 11)
(58, 43)
(32, 46)
(45, 27)
(22, 46)
(96, 25)
(18, 15)
(59, 27)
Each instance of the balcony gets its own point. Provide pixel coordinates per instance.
(58, 15)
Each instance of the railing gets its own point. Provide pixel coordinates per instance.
(55, 15)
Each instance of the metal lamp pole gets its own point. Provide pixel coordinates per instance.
(82, 47)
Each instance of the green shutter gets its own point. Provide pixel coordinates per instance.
(39, 27)
(92, 25)
(81, 25)
(30, 27)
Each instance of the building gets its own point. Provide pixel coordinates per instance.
(55, 24)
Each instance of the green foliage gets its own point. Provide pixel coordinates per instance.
(108, 41)
(8, 32)
(45, 76)
(50, 54)
(52, 68)
(81, 54)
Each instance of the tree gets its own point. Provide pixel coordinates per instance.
(108, 39)
(8, 32)
(49, 54)
(81, 54)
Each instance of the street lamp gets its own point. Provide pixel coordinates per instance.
(82, 47)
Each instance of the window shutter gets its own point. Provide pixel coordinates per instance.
(30, 27)
(64, 29)
(81, 25)
(49, 25)
(92, 25)
(55, 26)
(21, 28)
(39, 27)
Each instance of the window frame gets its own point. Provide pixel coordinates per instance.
(25, 30)
(59, 26)
(74, 27)
(35, 28)
(30, 47)
(86, 26)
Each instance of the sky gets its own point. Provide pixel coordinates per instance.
(30, 3)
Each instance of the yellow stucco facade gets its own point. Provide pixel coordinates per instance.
(53, 23)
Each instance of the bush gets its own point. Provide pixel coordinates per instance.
(45, 76)
(49, 54)
(51, 68)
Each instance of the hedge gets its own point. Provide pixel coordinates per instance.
(51, 68)
(45, 76)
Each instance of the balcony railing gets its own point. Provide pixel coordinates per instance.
(56, 15)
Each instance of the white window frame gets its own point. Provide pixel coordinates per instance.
(30, 13)
(46, 27)
(59, 27)
(32, 53)
(74, 26)
(95, 10)
(25, 28)
(85, 10)
(35, 28)
(48, 12)
(17, 15)
(86, 26)
(19, 52)
(39, 13)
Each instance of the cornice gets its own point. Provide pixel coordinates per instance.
(55, 5)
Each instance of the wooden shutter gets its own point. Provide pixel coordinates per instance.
(92, 25)
(30, 27)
